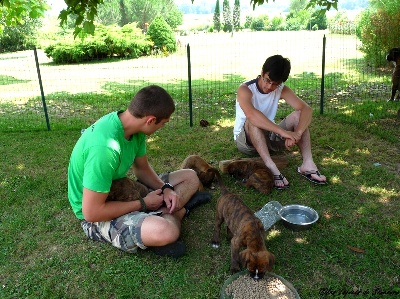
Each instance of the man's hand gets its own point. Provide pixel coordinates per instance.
(291, 139)
(154, 200)
(170, 199)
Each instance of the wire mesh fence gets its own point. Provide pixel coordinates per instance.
(202, 76)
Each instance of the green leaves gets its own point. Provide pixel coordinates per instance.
(322, 4)
(85, 12)
(14, 11)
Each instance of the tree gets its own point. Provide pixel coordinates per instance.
(323, 5)
(86, 11)
(236, 15)
(19, 37)
(140, 11)
(318, 21)
(217, 17)
(248, 21)
(162, 35)
(378, 30)
(226, 14)
(14, 12)
(124, 15)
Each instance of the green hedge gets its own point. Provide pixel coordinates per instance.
(108, 42)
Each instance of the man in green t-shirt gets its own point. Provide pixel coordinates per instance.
(105, 152)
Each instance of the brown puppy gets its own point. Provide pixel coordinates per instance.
(245, 231)
(126, 189)
(394, 56)
(253, 172)
(205, 171)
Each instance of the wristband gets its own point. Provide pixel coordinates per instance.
(143, 204)
(167, 186)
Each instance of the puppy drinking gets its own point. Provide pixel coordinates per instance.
(245, 231)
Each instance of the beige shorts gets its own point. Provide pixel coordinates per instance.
(275, 142)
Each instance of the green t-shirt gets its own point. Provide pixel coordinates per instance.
(101, 155)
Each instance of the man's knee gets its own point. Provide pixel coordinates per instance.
(292, 120)
(166, 234)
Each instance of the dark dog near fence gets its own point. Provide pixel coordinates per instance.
(394, 56)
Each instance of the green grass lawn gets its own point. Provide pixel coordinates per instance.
(353, 249)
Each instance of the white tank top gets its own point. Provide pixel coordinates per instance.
(266, 103)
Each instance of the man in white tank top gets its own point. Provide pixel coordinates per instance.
(255, 131)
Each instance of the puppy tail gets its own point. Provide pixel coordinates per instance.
(220, 182)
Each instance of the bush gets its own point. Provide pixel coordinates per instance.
(379, 32)
(341, 24)
(20, 37)
(277, 24)
(318, 20)
(297, 21)
(247, 23)
(108, 41)
(162, 35)
(260, 23)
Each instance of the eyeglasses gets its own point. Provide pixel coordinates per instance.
(268, 81)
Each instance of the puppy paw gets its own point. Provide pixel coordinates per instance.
(215, 245)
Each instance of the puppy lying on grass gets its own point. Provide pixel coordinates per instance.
(244, 230)
(253, 172)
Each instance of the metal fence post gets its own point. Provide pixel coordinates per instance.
(190, 86)
(323, 76)
(41, 90)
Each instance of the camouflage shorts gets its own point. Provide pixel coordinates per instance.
(122, 232)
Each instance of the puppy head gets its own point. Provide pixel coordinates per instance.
(394, 55)
(207, 177)
(257, 263)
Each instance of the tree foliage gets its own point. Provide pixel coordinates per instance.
(21, 36)
(378, 30)
(236, 15)
(15, 12)
(162, 35)
(139, 11)
(217, 17)
(86, 10)
(226, 14)
(323, 5)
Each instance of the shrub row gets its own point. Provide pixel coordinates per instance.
(109, 41)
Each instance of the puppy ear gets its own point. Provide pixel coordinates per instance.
(271, 260)
(244, 257)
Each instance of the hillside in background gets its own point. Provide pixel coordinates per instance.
(208, 6)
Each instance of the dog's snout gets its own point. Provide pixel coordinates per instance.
(257, 275)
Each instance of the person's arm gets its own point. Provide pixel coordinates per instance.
(146, 174)
(96, 208)
(299, 105)
(256, 117)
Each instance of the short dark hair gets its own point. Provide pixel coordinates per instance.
(277, 68)
(152, 100)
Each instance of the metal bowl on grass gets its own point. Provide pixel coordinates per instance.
(298, 217)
